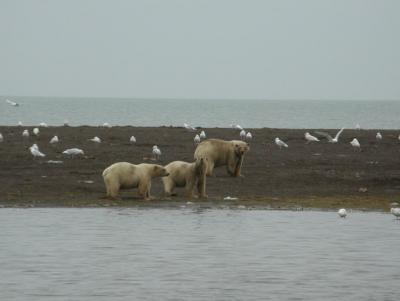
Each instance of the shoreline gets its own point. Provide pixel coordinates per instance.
(319, 175)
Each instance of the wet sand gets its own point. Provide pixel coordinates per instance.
(318, 175)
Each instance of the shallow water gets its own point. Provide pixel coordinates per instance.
(196, 254)
(205, 113)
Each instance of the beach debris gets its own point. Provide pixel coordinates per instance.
(241, 207)
(378, 136)
(189, 127)
(95, 139)
(310, 138)
(196, 139)
(25, 134)
(203, 135)
(242, 134)
(229, 198)
(13, 103)
(249, 136)
(355, 144)
(88, 182)
(395, 212)
(342, 213)
(34, 149)
(73, 152)
(54, 140)
(363, 189)
(36, 131)
(280, 143)
(329, 137)
(189, 203)
(132, 140)
(156, 152)
(54, 161)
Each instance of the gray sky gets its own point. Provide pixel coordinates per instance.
(309, 49)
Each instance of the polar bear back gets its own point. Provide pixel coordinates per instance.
(179, 171)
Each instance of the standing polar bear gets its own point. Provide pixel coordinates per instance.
(184, 174)
(124, 175)
(220, 152)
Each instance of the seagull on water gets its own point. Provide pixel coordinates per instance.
(355, 144)
(378, 136)
(156, 152)
(73, 152)
(189, 127)
(329, 137)
(249, 136)
(242, 134)
(395, 212)
(54, 140)
(203, 135)
(25, 134)
(36, 152)
(1, 138)
(95, 139)
(132, 140)
(280, 143)
(310, 138)
(342, 213)
(196, 139)
(13, 103)
(36, 131)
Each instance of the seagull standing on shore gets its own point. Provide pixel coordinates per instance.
(358, 127)
(132, 140)
(237, 126)
(156, 152)
(342, 213)
(36, 131)
(36, 152)
(66, 123)
(19, 123)
(280, 143)
(189, 127)
(355, 144)
(25, 134)
(73, 152)
(95, 139)
(242, 134)
(54, 140)
(196, 139)
(249, 136)
(106, 125)
(329, 137)
(43, 125)
(395, 212)
(310, 138)
(13, 103)
(378, 136)
(202, 135)
(1, 138)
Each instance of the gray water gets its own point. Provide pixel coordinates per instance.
(205, 113)
(193, 254)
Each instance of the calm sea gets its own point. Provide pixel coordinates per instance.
(197, 254)
(204, 113)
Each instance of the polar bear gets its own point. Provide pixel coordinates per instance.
(124, 175)
(220, 152)
(184, 174)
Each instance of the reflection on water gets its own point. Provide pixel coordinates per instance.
(131, 254)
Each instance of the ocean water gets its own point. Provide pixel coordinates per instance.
(204, 113)
(197, 254)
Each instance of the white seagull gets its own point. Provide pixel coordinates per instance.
(54, 140)
(132, 139)
(36, 131)
(1, 138)
(66, 123)
(242, 134)
(342, 213)
(73, 152)
(280, 143)
(395, 212)
(196, 139)
(36, 152)
(329, 137)
(378, 136)
(203, 135)
(19, 123)
(106, 125)
(95, 139)
(249, 136)
(236, 126)
(13, 103)
(310, 138)
(355, 144)
(358, 127)
(156, 152)
(43, 125)
(189, 127)
(25, 134)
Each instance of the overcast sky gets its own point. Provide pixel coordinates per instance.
(309, 49)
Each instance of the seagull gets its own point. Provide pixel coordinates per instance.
(19, 123)
(355, 144)
(66, 123)
(36, 131)
(73, 152)
(132, 139)
(196, 139)
(249, 136)
(189, 127)
(329, 137)
(378, 136)
(395, 212)
(342, 213)
(25, 134)
(280, 143)
(43, 124)
(1, 138)
(237, 126)
(156, 152)
(36, 152)
(242, 134)
(202, 135)
(310, 138)
(95, 139)
(106, 125)
(54, 140)
(13, 103)
(358, 127)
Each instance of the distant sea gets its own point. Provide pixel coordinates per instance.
(205, 113)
